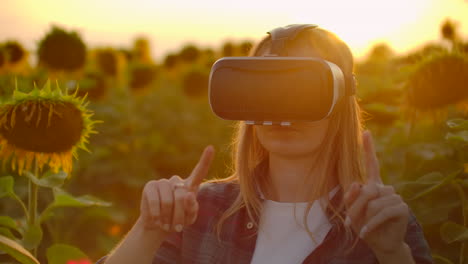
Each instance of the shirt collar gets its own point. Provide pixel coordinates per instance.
(335, 195)
(261, 170)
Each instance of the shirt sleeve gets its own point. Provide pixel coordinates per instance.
(416, 241)
(170, 250)
(182, 246)
(168, 253)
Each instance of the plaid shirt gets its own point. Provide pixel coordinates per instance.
(198, 243)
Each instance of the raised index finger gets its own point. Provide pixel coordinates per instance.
(372, 163)
(201, 169)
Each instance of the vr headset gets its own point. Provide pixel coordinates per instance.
(276, 89)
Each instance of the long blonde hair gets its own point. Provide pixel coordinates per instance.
(341, 150)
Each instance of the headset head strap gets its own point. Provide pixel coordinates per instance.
(281, 35)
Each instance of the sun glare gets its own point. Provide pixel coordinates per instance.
(361, 23)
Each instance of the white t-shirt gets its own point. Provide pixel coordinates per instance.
(282, 237)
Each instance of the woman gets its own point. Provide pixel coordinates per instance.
(308, 193)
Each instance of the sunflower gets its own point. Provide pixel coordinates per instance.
(195, 82)
(436, 86)
(107, 61)
(438, 81)
(93, 85)
(45, 126)
(61, 50)
(16, 57)
(142, 76)
(142, 50)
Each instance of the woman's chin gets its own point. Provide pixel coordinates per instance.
(288, 149)
(293, 142)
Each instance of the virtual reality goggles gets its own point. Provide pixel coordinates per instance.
(277, 89)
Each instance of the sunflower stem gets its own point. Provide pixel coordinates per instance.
(33, 190)
(33, 207)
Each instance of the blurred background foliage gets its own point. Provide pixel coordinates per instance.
(156, 121)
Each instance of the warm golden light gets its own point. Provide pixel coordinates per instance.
(170, 24)
(403, 24)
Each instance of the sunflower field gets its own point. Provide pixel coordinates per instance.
(84, 129)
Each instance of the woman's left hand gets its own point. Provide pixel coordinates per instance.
(375, 211)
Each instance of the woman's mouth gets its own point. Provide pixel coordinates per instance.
(278, 128)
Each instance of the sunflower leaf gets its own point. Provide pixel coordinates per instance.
(451, 232)
(6, 232)
(64, 199)
(49, 179)
(426, 184)
(460, 137)
(32, 177)
(6, 186)
(32, 236)
(63, 254)
(458, 124)
(15, 250)
(6, 221)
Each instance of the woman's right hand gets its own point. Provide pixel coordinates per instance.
(171, 204)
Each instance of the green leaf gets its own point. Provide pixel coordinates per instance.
(6, 186)
(409, 188)
(451, 232)
(458, 124)
(8, 222)
(430, 151)
(6, 232)
(438, 212)
(382, 108)
(15, 250)
(382, 111)
(49, 179)
(426, 184)
(64, 199)
(32, 236)
(460, 137)
(62, 253)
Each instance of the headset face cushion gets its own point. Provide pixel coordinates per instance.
(277, 89)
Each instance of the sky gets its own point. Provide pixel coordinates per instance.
(403, 24)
